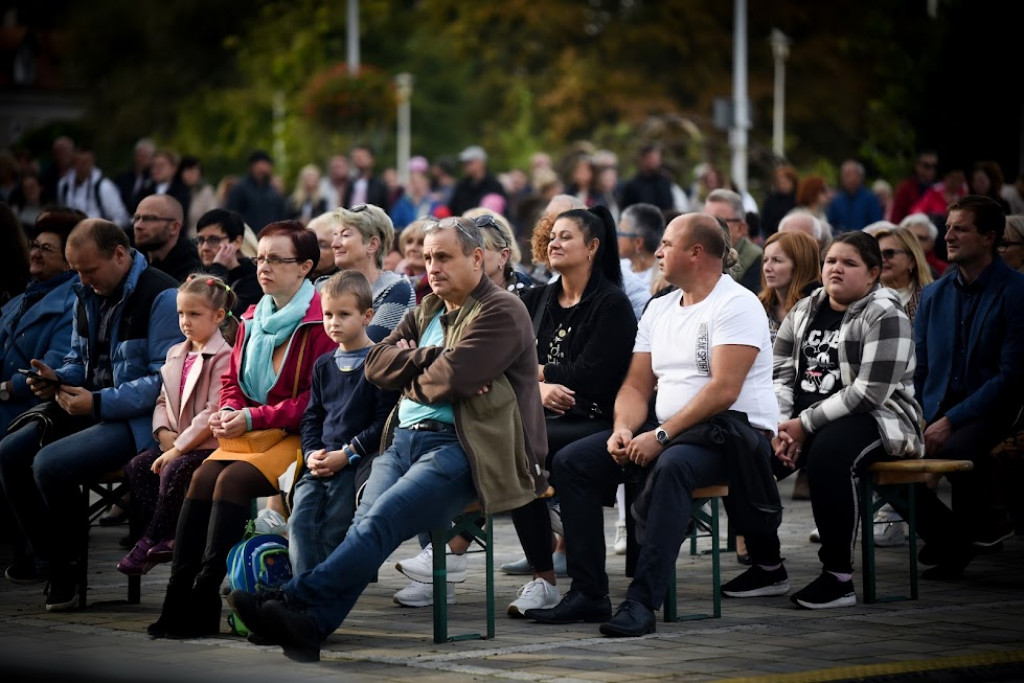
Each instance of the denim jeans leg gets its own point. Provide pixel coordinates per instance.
(17, 451)
(385, 470)
(436, 488)
(321, 514)
(64, 465)
(673, 477)
(585, 477)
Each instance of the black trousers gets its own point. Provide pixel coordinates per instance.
(532, 522)
(834, 458)
(972, 491)
(585, 476)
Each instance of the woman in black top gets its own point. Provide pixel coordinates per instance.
(585, 331)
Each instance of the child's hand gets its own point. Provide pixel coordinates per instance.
(314, 460)
(166, 438)
(168, 455)
(333, 462)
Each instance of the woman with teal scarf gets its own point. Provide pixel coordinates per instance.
(266, 387)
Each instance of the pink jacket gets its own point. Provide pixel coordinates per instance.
(282, 410)
(190, 414)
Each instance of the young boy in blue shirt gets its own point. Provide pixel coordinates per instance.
(341, 425)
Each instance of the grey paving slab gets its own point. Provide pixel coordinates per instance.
(982, 615)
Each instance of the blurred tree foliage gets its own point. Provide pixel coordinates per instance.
(219, 78)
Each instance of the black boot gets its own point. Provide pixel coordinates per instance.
(189, 545)
(227, 525)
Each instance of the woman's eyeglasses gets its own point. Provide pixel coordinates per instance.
(273, 261)
(49, 248)
(890, 254)
(214, 242)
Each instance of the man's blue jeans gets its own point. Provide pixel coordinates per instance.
(42, 484)
(436, 486)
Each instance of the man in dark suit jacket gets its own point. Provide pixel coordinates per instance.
(366, 188)
(970, 381)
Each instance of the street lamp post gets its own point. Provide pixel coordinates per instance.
(352, 22)
(403, 91)
(780, 50)
(741, 113)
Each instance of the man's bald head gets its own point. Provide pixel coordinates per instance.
(157, 224)
(561, 203)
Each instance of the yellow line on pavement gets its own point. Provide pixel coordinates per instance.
(887, 669)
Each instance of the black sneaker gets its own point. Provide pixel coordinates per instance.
(758, 583)
(826, 592)
(291, 628)
(62, 592)
(25, 571)
(574, 607)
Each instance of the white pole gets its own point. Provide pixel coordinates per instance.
(352, 23)
(780, 50)
(741, 117)
(403, 88)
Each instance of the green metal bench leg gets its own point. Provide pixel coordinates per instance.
(438, 540)
(912, 541)
(671, 607)
(867, 540)
(716, 561)
(489, 581)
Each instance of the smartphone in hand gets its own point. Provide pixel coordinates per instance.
(32, 374)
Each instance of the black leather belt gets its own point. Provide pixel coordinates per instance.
(431, 426)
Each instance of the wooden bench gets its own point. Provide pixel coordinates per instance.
(894, 482)
(707, 494)
(110, 489)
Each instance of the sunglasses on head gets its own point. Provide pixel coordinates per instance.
(487, 221)
(453, 222)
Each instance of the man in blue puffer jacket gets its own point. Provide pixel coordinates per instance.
(98, 406)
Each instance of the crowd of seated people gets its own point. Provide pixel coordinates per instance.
(857, 346)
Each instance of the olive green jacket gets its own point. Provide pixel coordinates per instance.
(488, 342)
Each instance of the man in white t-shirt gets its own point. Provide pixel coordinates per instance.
(707, 349)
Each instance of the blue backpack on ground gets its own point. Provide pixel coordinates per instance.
(257, 562)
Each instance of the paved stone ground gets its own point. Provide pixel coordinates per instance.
(976, 622)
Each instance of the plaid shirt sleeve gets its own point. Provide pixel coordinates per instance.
(876, 356)
(785, 361)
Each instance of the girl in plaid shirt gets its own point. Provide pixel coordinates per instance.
(843, 373)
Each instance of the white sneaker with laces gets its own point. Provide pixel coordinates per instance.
(890, 534)
(418, 594)
(620, 538)
(537, 594)
(421, 567)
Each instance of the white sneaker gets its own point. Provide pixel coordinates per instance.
(887, 513)
(421, 567)
(537, 594)
(890, 534)
(418, 594)
(620, 538)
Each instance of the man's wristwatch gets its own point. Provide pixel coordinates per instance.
(662, 436)
(5, 391)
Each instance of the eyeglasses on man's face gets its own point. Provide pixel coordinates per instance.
(150, 218)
